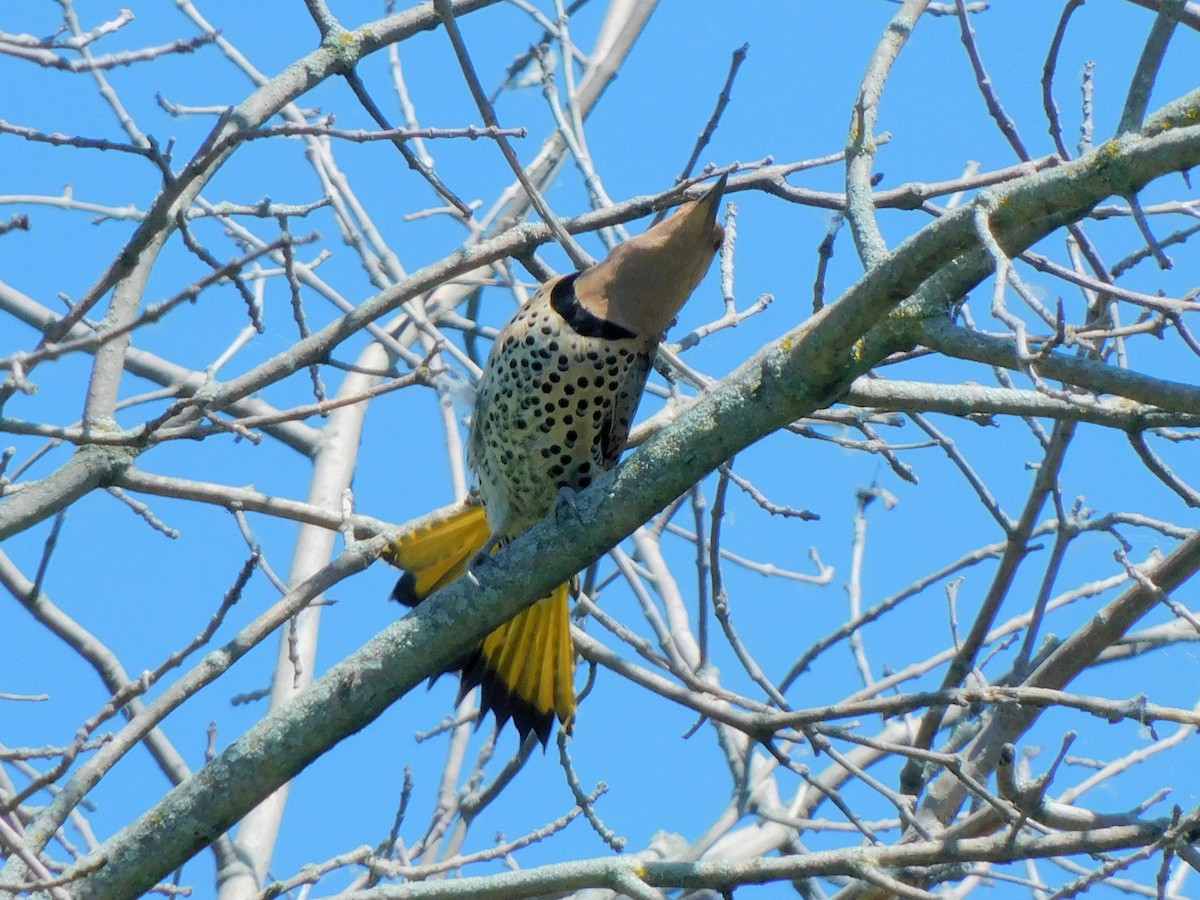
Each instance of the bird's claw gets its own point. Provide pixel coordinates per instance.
(566, 504)
(480, 559)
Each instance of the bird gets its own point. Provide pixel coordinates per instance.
(553, 410)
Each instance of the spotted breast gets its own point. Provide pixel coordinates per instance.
(554, 405)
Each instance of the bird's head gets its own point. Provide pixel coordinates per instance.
(644, 282)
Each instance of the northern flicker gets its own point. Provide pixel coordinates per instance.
(553, 410)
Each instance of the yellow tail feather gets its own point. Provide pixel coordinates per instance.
(529, 667)
(436, 554)
(526, 667)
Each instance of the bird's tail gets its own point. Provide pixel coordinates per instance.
(435, 554)
(526, 667)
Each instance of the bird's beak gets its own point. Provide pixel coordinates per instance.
(711, 201)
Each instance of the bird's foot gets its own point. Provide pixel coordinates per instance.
(480, 559)
(566, 505)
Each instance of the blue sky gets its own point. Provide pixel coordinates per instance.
(144, 595)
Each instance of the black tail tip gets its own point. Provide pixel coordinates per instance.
(496, 697)
(405, 591)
